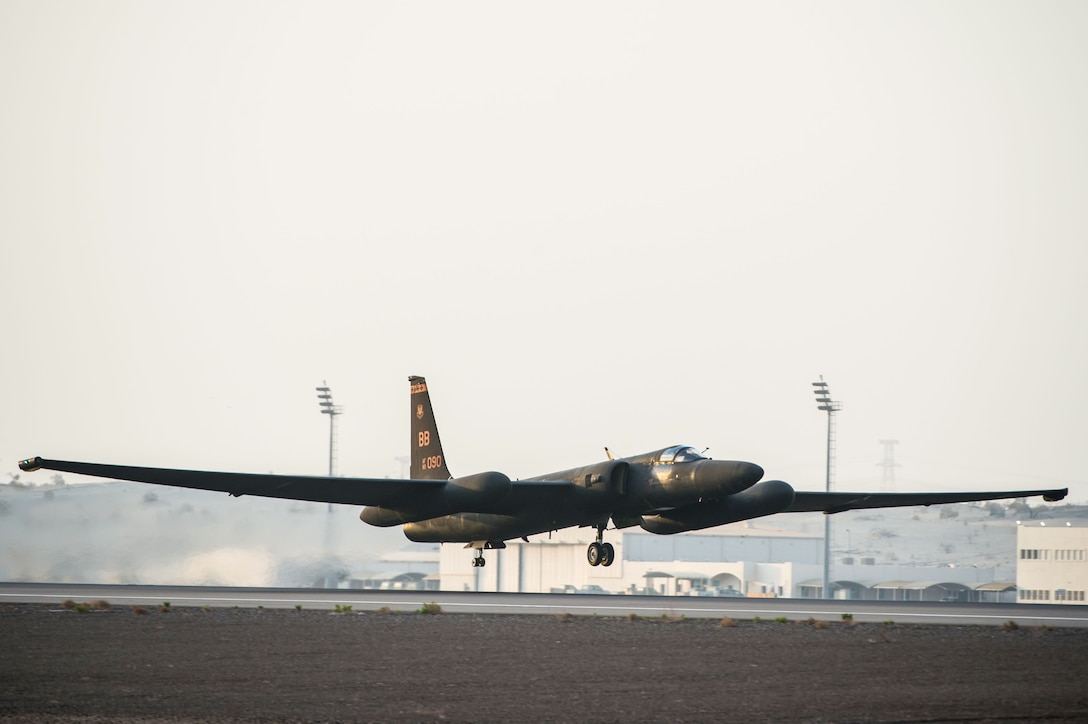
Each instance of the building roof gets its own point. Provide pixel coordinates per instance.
(918, 585)
(996, 586)
(1056, 523)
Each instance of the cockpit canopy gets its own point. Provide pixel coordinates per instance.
(678, 454)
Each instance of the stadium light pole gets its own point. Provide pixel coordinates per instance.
(324, 396)
(824, 403)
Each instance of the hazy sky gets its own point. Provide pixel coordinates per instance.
(587, 224)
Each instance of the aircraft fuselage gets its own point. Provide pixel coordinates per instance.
(619, 489)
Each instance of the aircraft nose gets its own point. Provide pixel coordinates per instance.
(727, 476)
(748, 474)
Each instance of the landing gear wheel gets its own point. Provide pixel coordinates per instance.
(479, 562)
(608, 554)
(594, 554)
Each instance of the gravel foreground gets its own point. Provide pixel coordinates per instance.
(210, 665)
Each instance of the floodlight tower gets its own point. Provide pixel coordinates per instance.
(826, 404)
(324, 394)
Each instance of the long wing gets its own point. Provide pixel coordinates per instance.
(838, 502)
(352, 491)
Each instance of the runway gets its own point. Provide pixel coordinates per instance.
(982, 614)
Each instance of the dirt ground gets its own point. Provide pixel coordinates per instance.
(284, 665)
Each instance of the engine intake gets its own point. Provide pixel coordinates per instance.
(766, 498)
(480, 493)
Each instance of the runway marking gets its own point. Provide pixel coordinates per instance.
(564, 607)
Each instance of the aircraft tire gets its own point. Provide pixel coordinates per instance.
(593, 554)
(608, 554)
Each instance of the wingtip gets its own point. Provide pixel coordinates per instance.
(1055, 495)
(30, 464)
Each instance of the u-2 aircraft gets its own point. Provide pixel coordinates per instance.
(672, 490)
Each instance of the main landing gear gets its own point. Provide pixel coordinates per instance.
(480, 546)
(600, 553)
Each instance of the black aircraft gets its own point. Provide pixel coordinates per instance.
(667, 491)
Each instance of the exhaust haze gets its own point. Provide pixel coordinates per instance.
(130, 533)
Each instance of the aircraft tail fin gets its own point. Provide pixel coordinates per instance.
(428, 462)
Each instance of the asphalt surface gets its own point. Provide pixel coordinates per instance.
(983, 614)
(149, 663)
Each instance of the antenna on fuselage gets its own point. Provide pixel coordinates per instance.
(608, 453)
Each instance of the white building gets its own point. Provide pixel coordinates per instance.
(735, 560)
(738, 560)
(1052, 561)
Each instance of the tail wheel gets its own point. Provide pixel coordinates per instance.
(594, 554)
(608, 554)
